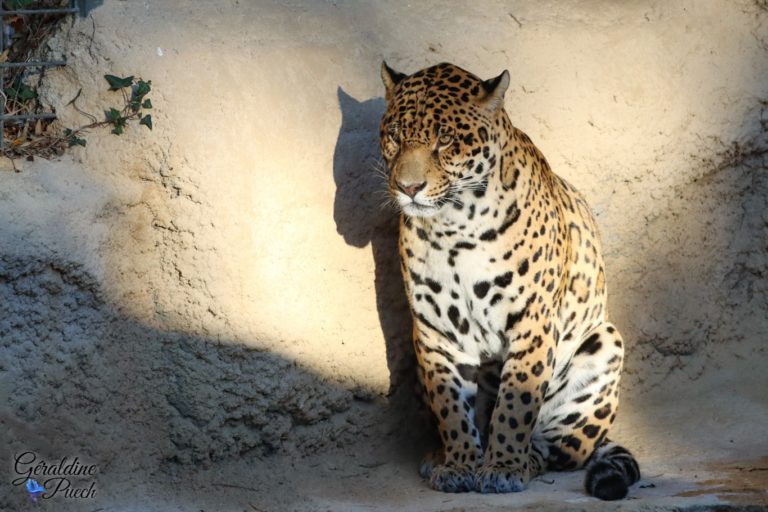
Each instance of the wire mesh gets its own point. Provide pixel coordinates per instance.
(29, 64)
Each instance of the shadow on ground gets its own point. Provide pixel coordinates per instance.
(79, 379)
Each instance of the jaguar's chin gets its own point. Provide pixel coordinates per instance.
(414, 209)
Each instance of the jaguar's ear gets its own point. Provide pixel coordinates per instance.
(390, 77)
(494, 91)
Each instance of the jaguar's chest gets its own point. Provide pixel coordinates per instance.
(463, 287)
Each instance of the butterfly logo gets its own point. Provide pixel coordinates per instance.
(35, 489)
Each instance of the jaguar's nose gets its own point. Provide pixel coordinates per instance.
(411, 189)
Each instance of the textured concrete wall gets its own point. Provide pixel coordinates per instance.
(228, 283)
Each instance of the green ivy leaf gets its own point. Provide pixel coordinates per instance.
(142, 88)
(116, 83)
(18, 4)
(26, 93)
(21, 92)
(113, 115)
(146, 104)
(76, 141)
(118, 130)
(146, 121)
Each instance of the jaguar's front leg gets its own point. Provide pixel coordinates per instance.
(451, 386)
(509, 461)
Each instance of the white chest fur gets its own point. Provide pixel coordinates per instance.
(463, 288)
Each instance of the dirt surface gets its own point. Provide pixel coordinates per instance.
(211, 313)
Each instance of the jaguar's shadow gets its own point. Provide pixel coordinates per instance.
(362, 218)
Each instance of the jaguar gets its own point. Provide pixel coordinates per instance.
(503, 270)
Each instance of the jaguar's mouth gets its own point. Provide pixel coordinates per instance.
(414, 208)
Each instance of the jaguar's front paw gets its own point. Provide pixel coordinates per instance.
(452, 478)
(430, 461)
(500, 478)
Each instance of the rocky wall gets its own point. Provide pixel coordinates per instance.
(228, 283)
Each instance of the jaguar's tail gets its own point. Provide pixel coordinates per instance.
(610, 472)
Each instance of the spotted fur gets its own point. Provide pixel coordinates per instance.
(504, 274)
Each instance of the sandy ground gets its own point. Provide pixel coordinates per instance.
(212, 314)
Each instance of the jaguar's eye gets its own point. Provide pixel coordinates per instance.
(393, 132)
(444, 139)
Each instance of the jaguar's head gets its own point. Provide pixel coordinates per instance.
(439, 134)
